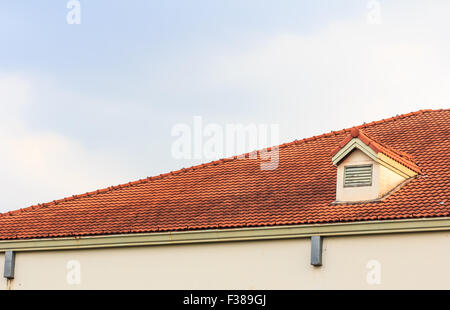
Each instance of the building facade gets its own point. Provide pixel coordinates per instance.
(361, 208)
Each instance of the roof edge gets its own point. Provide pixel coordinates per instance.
(229, 235)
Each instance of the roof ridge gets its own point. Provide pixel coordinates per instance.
(389, 148)
(215, 162)
(403, 157)
(379, 147)
(400, 116)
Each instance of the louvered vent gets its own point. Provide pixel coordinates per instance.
(358, 176)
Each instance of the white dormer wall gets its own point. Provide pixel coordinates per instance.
(383, 179)
(356, 157)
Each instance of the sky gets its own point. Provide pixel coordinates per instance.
(90, 105)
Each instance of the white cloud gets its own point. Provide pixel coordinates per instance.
(348, 73)
(344, 74)
(43, 166)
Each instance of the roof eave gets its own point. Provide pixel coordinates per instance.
(228, 235)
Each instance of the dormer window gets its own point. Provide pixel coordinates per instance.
(357, 176)
(367, 170)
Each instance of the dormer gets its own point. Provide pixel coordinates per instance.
(368, 170)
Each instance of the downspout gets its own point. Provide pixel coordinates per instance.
(8, 271)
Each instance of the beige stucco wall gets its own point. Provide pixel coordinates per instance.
(2, 264)
(406, 261)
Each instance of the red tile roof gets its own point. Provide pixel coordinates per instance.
(401, 157)
(237, 193)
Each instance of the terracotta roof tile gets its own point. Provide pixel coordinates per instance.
(399, 156)
(235, 192)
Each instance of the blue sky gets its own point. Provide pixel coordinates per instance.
(92, 105)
